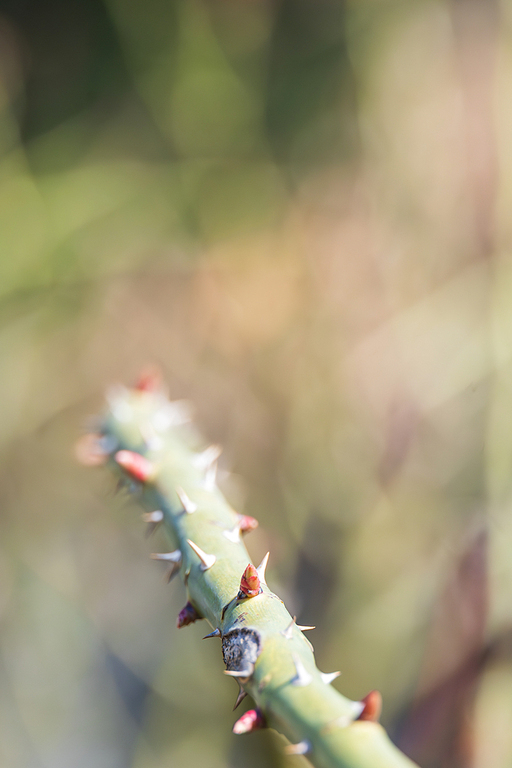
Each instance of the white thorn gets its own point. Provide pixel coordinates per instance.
(153, 517)
(262, 567)
(206, 560)
(243, 674)
(171, 414)
(328, 677)
(153, 441)
(233, 535)
(188, 505)
(173, 557)
(302, 748)
(304, 628)
(357, 707)
(302, 676)
(288, 632)
(210, 478)
(208, 457)
(117, 398)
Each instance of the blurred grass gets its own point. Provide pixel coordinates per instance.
(300, 210)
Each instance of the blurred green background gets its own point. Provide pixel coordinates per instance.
(299, 209)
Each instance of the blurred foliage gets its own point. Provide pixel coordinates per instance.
(300, 210)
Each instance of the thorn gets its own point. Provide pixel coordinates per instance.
(208, 457)
(247, 523)
(343, 721)
(302, 676)
(117, 398)
(328, 677)
(137, 466)
(302, 748)
(153, 517)
(372, 707)
(210, 478)
(241, 696)
(171, 415)
(304, 627)
(152, 441)
(233, 535)
(215, 633)
(90, 452)
(243, 674)
(249, 583)
(262, 567)
(150, 380)
(252, 720)
(172, 572)
(187, 615)
(206, 560)
(173, 557)
(288, 632)
(188, 505)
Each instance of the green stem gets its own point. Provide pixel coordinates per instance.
(261, 643)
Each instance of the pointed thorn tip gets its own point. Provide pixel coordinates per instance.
(188, 505)
(262, 567)
(302, 748)
(206, 560)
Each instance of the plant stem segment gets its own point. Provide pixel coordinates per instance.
(262, 646)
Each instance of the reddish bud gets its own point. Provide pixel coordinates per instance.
(250, 585)
(187, 615)
(135, 465)
(150, 380)
(252, 720)
(247, 523)
(372, 706)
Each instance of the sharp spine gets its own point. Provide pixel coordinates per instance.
(208, 457)
(172, 572)
(241, 696)
(233, 534)
(206, 560)
(262, 567)
(153, 517)
(210, 478)
(288, 632)
(328, 677)
(304, 627)
(173, 557)
(215, 633)
(243, 674)
(302, 748)
(302, 676)
(188, 505)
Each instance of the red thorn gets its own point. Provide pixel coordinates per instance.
(135, 465)
(150, 380)
(247, 523)
(187, 615)
(250, 585)
(372, 706)
(252, 720)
